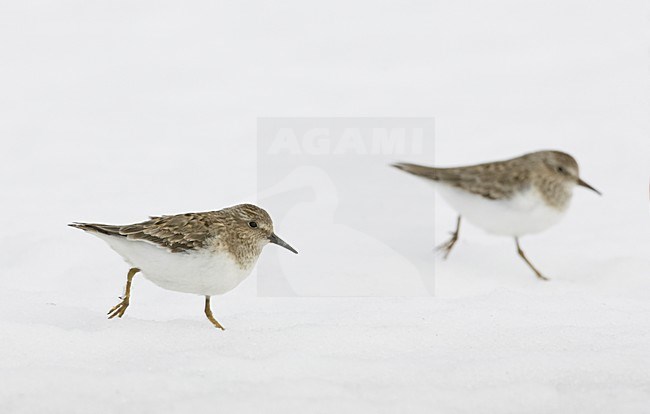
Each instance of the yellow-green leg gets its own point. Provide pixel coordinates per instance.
(119, 309)
(208, 313)
(523, 256)
(446, 247)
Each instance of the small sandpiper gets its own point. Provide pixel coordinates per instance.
(515, 197)
(207, 253)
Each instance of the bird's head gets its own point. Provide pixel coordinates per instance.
(564, 168)
(255, 225)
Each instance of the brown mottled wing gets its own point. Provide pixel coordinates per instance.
(178, 233)
(495, 180)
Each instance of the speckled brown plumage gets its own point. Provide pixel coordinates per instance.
(223, 229)
(503, 179)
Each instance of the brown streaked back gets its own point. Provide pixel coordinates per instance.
(494, 180)
(177, 233)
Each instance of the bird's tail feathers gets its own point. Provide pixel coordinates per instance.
(419, 170)
(97, 228)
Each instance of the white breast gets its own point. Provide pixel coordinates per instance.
(202, 272)
(525, 213)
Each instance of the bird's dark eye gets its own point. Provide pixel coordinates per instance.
(252, 224)
(561, 170)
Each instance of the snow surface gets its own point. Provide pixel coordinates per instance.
(112, 111)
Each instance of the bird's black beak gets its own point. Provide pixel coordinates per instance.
(584, 184)
(276, 240)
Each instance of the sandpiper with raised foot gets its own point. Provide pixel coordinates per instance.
(207, 253)
(515, 197)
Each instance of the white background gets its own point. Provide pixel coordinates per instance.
(349, 209)
(114, 110)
